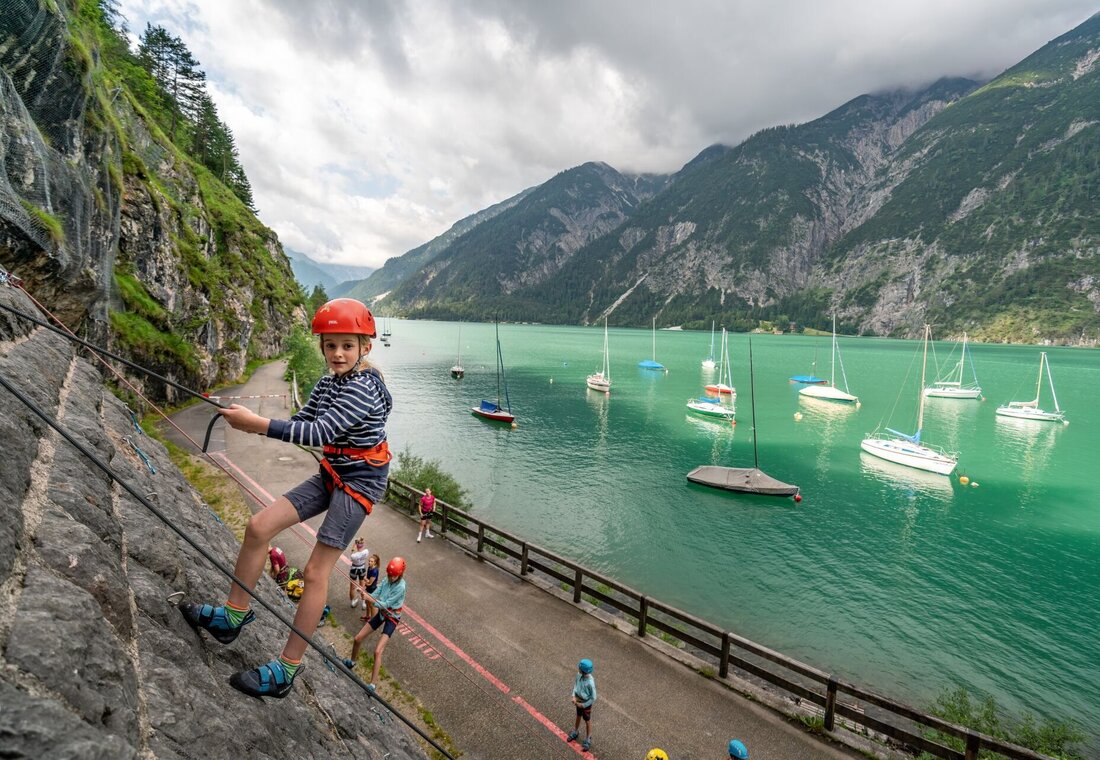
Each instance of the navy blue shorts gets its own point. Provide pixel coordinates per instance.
(584, 712)
(389, 626)
(310, 498)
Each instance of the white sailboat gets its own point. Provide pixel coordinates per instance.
(708, 363)
(830, 392)
(951, 385)
(716, 407)
(1029, 410)
(908, 449)
(653, 363)
(724, 386)
(601, 381)
(457, 372)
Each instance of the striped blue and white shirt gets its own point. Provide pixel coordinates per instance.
(347, 412)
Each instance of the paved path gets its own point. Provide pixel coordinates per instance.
(493, 657)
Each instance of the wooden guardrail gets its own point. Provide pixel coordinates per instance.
(862, 708)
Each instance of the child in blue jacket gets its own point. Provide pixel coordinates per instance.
(584, 696)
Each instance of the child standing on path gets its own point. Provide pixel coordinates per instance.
(389, 600)
(358, 573)
(346, 413)
(427, 509)
(584, 695)
(372, 586)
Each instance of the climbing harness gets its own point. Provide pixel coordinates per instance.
(376, 456)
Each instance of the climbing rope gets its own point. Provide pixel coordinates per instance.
(144, 457)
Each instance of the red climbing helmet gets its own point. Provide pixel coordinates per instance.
(344, 315)
(396, 567)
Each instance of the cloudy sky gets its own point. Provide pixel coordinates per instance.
(367, 127)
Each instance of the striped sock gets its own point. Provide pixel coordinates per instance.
(290, 666)
(235, 615)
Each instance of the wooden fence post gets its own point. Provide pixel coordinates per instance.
(523, 560)
(830, 704)
(577, 580)
(973, 744)
(643, 615)
(480, 539)
(443, 527)
(724, 660)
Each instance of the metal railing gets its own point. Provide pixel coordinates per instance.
(863, 709)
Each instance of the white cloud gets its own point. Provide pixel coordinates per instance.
(369, 128)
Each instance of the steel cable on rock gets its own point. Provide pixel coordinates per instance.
(224, 570)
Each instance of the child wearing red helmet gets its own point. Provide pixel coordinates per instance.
(346, 414)
(388, 600)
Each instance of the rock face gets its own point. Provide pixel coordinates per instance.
(94, 663)
(113, 229)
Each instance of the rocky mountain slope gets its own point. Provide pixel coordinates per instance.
(112, 227)
(94, 662)
(972, 207)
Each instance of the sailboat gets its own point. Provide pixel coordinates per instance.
(810, 379)
(652, 363)
(601, 381)
(708, 363)
(385, 331)
(457, 372)
(1029, 410)
(495, 412)
(744, 479)
(908, 449)
(951, 385)
(830, 392)
(714, 407)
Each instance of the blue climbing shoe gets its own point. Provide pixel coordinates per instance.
(587, 743)
(572, 736)
(214, 620)
(268, 680)
(349, 664)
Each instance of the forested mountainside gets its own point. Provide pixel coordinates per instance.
(969, 206)
(123, 205)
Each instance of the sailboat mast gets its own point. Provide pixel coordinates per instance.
(1039, 382)
(606, 355)
(920, 388)
(500, 361)
(654, 334)
(752, 399)
(832, 366)
(1051, 381)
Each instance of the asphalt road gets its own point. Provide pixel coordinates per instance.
(493, 657)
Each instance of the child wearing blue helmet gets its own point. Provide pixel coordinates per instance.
(584, 695)
(738, 750)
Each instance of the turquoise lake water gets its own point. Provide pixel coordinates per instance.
(902, 581)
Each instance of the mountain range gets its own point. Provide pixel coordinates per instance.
(967, 205)
(311, 273)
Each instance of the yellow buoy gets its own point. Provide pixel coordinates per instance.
(964, 480)
(797, 416)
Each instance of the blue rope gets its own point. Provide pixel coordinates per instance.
(140, 453)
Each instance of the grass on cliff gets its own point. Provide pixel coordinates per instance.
(220, 493)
